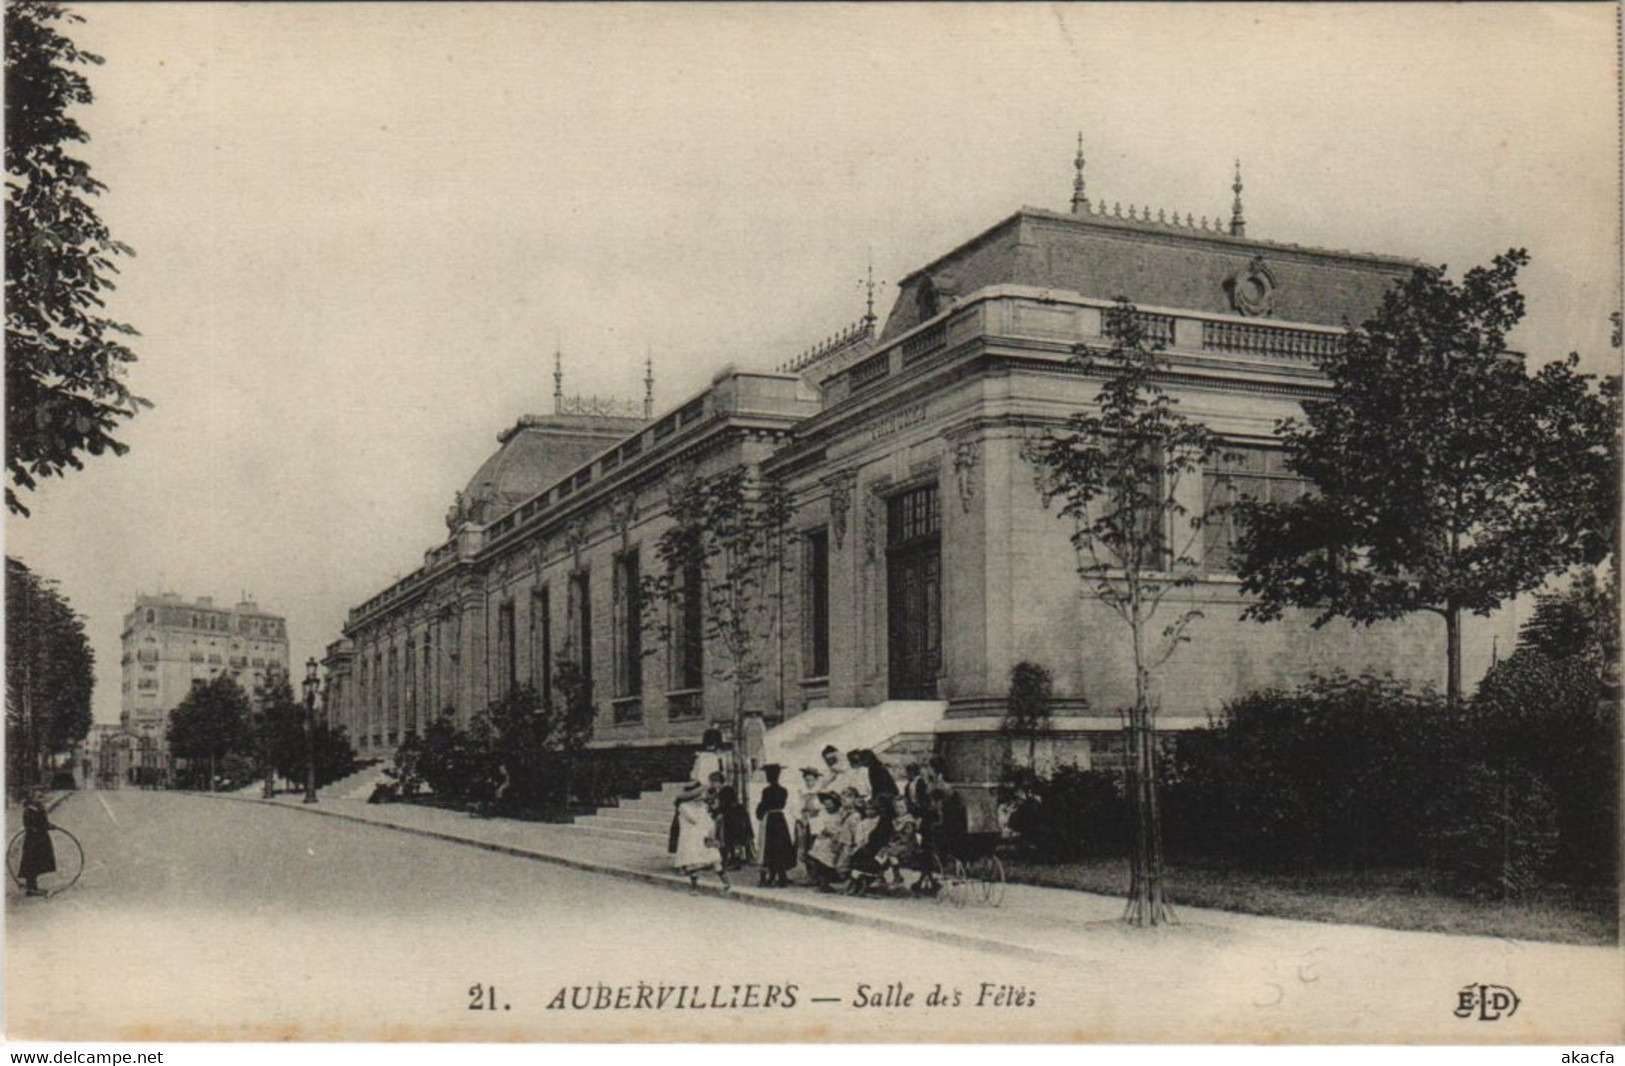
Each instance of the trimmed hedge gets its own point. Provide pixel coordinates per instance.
(1517, 789)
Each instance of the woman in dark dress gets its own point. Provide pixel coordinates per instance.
(39, 857)
(734, 821)
(881, 781)
(778, 850)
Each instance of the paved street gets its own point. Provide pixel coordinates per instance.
(217, 919)
(222, 918)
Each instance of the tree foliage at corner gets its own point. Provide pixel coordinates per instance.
(282, 717)
(212, 722)
(1581, 622)
(1445, 477)
(280, 724)
(50, 672)
(1117, 470)
(65, 361)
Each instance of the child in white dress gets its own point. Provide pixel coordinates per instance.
(697, 849)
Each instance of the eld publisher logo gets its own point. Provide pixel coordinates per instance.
(1489, 1003)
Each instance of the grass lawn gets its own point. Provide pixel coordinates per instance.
(1390, 899)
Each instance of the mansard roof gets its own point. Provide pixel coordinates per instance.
(534, 453)
(1171, 264)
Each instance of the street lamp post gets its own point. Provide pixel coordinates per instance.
(311, 685)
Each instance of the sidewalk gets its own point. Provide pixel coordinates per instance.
(1038, 923)
(1227, 976)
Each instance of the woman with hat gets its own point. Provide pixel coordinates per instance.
(778, 850)
(696, 836)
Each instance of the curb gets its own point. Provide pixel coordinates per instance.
(675, 884)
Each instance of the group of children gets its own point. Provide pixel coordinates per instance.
(851, 828)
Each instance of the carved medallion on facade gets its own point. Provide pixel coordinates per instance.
(1252, 289)
(840, 485)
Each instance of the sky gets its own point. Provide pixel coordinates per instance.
(362, 230)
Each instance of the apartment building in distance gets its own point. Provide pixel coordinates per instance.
(171, 644)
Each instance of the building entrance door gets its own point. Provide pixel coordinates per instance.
(913, 594)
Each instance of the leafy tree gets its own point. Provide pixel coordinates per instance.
(281, 721)
(459, 764)
(213, 721)
(535, 744)
(1444, 476)
(570, 720)
(335, 755)
(1117, 469)
(1552, 720)
(729, 530)
(50, 673)
(1027, 712)
(65, 361)
(1580, 622)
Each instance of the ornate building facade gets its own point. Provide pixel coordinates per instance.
(171, 644)
(924, 563)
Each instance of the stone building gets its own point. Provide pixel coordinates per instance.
(171, 644)
(924, 563)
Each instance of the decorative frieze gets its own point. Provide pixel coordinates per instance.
(897, 421)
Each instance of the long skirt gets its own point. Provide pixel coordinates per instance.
(39, 857)
(778, 850)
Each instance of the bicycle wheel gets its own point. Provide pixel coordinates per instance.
(942, 872)
(70, 861)
(987, 873)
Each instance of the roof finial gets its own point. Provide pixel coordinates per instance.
(1080, 202)
(1238, 224)
(649, 381)
(558, 375)
(869, 293)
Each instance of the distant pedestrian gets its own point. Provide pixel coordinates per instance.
(697, 849)
(778, 849)
(38, 857)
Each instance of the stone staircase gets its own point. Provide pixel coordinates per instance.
(899, 731)
(357, 786)
(644, 820)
